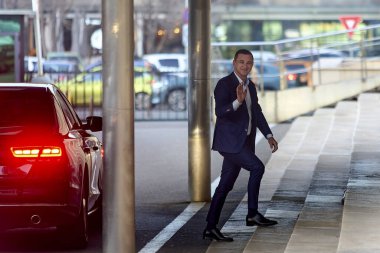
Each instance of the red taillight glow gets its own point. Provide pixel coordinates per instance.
(292, 77)
(36, 151)
(51, 152)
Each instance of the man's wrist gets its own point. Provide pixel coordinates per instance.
(269, 136)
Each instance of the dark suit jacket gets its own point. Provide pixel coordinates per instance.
(231, 126)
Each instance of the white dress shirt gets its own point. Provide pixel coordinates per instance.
(248, 101)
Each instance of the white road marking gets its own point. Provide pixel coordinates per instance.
(159, 240)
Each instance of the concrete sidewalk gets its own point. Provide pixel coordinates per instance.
(337, 150)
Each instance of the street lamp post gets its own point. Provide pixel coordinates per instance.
(40, 78)
(37, 34)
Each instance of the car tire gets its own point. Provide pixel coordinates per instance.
(142, 101)
(77, 233)
(177, 100)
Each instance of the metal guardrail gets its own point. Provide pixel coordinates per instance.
(157, 96)
(284, 64)
(314, 56)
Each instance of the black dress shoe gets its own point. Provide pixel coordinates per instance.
(259, 220)
(215, 234)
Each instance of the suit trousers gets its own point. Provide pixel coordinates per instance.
(232, 163)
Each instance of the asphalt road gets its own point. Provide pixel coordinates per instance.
(22, 241)
(161, 176)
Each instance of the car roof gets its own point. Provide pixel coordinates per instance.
(165, 55)
(62, 53)
(66, 62)
(265, 54)
(137, 63)
(35, 85)
(176, 74)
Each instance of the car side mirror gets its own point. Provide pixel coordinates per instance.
(94, 123)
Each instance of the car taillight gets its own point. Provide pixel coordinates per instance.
(48, 151)
(292, 77)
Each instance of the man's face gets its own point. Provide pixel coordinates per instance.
(243, 65)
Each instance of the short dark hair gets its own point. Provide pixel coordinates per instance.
(243, 51)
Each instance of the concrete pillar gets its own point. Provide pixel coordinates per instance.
(199, 100)
(118, 131)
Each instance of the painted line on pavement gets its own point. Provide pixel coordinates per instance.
(157, 242)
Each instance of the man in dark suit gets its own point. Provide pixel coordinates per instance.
(238, 115)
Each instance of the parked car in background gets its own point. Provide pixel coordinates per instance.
(313, 55)
(56, 70)
(167, 62)
(171, 89)
(363, 51)
(60, 70)
(66, 56)
(269, 77)
(262, 56)
(51, 164)
(87, 88)
(221, 67)
(302, 70)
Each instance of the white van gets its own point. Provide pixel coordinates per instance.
(168, 62)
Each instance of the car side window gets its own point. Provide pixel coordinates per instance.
(62, 123)
(70, 115)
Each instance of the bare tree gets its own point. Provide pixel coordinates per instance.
(53, 23)
(160, 20)
(157, 22)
